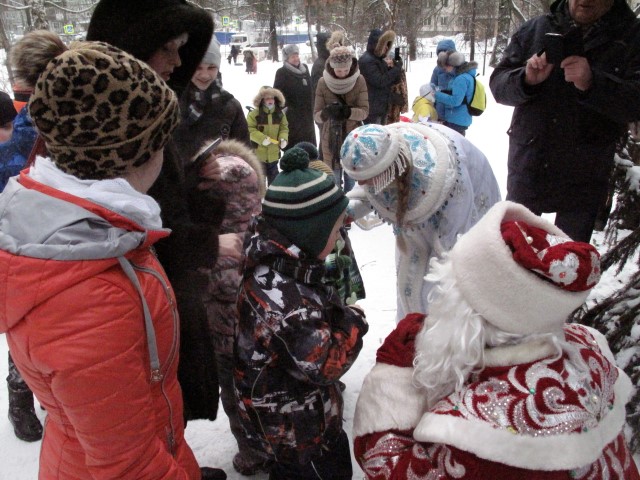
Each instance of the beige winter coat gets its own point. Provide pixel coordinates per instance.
(356, 98)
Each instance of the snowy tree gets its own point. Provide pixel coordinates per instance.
(618, 316)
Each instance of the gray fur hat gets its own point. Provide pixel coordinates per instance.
(289, 50)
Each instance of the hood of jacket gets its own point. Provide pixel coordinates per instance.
(467, 67)
(381, 41)
(321, 44)
(269, 92)
(50, 241)
(445, 45)
(144, 26)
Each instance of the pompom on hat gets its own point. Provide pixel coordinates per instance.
(303, 204)
(100, 111)
(522, 273)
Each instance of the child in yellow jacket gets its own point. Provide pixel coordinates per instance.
(423, 106)
(268, 129)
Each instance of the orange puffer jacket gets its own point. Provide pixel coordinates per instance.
(75, 326)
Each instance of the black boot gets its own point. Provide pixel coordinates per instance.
(209, 473)
(23, 417)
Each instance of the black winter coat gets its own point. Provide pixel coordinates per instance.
(194, 217)
(562, 140)
(296, 88)
(222, 116)
(380, 78)
(318, 65)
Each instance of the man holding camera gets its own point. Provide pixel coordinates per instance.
(573, 76)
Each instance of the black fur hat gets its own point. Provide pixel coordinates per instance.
(141, 27)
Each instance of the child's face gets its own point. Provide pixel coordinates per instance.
(333, 237)
(341, 72)
(205, 74)
(5, 132)
(269, 102)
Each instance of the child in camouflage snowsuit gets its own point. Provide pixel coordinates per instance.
(295, 337)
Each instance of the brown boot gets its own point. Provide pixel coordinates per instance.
(23, 417)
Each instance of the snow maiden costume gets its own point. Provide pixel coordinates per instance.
(534, 398)
(451, 187)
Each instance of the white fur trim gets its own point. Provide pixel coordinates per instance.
(558, 452)
(388, 400)
(504, 293)
(518, 354)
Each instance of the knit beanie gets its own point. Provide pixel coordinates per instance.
(213, 56)
(289, 50)
(141, 27)
(100, 111)
(7, 110)
(522, 273)
(341, 57)
(303, 204)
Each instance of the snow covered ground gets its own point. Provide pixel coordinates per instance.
(212, 442)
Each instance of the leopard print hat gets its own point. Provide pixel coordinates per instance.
(101, 112)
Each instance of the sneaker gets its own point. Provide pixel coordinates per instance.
(248, 466)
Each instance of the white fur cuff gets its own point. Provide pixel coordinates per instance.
(388, 400)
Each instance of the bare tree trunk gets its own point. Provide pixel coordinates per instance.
(38, 15)
(472, 31)
(273, 34)
(502, 35)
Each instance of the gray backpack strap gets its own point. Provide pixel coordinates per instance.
(154, 358)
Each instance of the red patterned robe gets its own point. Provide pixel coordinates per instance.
(525, 416)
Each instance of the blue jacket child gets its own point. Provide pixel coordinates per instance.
(15, 151)
(440, 77)
(456, 115)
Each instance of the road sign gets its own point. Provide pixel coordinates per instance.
(68, 30)
(225, 21)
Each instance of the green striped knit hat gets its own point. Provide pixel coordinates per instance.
(303, 204)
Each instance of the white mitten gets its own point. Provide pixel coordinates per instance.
(266, 141)
(283, 143)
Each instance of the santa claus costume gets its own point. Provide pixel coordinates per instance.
(493, 384)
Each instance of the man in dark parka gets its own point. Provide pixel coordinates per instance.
(568, 116)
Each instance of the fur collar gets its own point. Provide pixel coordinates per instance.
(387, 38)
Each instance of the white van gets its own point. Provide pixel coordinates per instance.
(241, 41)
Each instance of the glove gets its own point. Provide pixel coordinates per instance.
(209, 473)
(398, 348)
(397, 63)
(266, 142)
(283, 143)
(332, 111)
(344, 113)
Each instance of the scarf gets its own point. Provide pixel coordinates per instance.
(198, 99)
(299, 71)
(115, 194)
(340, 86)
